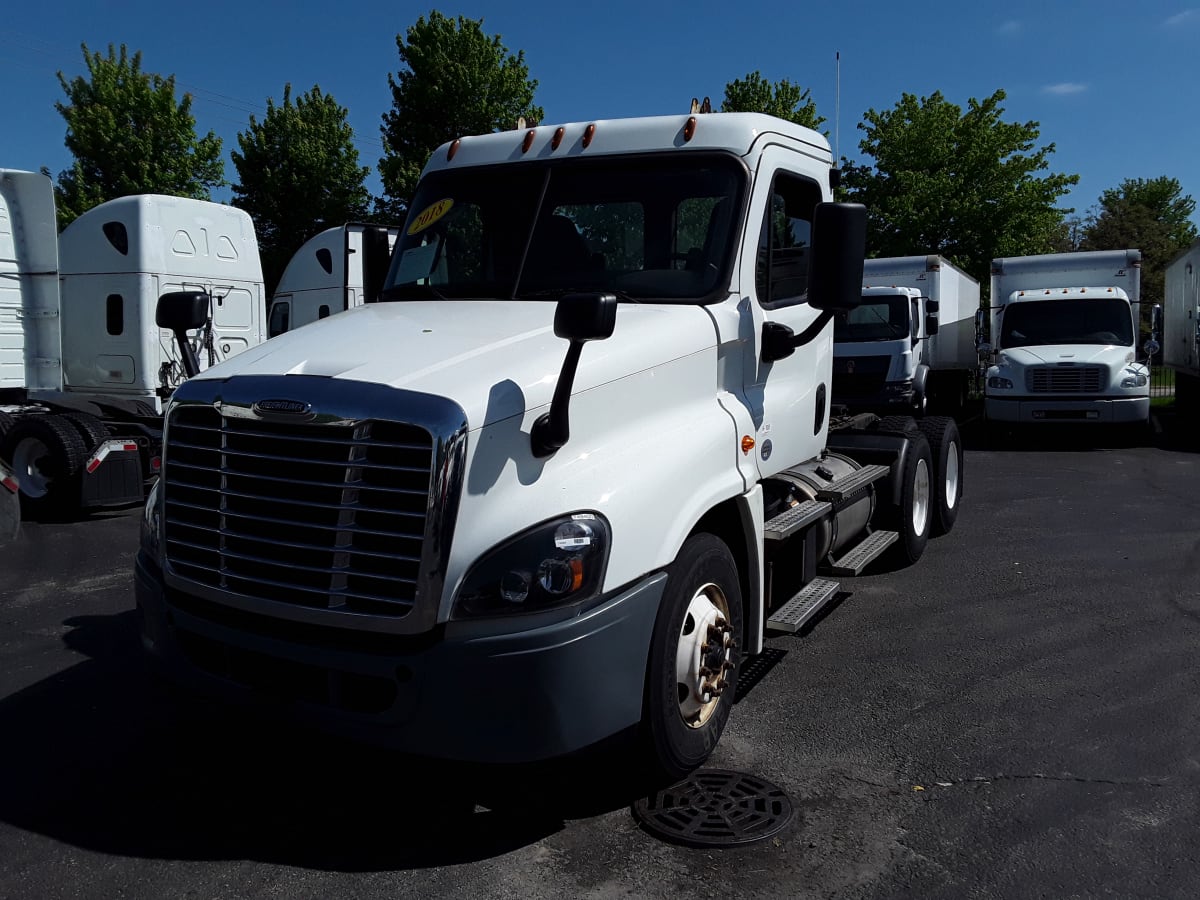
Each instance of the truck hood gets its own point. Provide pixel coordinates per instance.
(1052, 354)
(496, 359)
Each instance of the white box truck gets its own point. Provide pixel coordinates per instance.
(338, 269)
(1064, 329)
(1181, 326)
(911, 339)
(83, 363)
(563, 478)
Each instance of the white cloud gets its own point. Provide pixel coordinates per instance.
(1009, 28)
(1064, 88)
(1182, 18)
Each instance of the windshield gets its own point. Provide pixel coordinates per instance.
(1105, 320)
(648, 228)
(875, 319)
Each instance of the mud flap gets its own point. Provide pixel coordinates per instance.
(10, 505)
(112, 476)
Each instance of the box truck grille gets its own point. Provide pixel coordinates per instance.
(323, 516)
(859, 376)
(1064, 379)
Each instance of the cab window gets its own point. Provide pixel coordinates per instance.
(781, 271)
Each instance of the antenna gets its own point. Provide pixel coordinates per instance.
(837, 109)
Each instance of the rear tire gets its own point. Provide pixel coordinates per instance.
(913, 518)
(91, 429)
(692, 674)
(46, 454)
(945, 446)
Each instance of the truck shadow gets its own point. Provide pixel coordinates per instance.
(977, 435)
(99, 757)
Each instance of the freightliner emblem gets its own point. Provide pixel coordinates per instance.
(283, 409)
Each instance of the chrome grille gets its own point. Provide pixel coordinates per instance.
(1064, 379)
(324, 516)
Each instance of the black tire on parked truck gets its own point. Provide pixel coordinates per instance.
(46, 454)
(692, 673)
(913, 518)
(945, 445)
(898, 424)
(93, 431)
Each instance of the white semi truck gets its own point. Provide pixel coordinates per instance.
(911, 339)
(84, 367)
(564, 478)
(1181, 326)
(338, 269)
(1063, 335)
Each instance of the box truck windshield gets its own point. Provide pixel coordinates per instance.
(876, 319)
(1105, 320)
(660, 231)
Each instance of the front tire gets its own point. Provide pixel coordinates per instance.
(945, 445)
(692, 674)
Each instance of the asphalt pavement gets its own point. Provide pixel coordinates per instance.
(1014, 716)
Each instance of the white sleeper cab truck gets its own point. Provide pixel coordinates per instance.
(83, 363)
(911, 338)
(567, 473)
(1181, 327)
(338, 269)
(1064, 329)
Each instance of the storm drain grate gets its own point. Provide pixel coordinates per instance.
(715, 808)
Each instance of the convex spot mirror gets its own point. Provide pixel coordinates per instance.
(585, 317)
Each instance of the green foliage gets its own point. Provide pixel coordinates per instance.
(454, 80)
(782, 99)
(298, 174)
(965, 185)
(1152, 215)
(129, 135)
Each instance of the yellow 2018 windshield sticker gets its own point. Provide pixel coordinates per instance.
(429, 215)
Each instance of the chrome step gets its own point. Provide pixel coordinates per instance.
(839, 490)
(793, 615)
(792, 520)
(863, 552)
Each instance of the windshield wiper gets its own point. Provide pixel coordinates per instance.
(400, 292)
(894, 329)
(559, 293)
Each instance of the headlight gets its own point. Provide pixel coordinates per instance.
(1134, 381)
(152, 524)
(1000, 383)
(558, 562)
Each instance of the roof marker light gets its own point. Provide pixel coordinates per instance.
(528, 142)
(558, 136)
(588, 134)
(453, 149)
(689, 128)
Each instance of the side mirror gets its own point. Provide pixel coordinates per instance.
(1156, 319)
(579, 318)
(931, 325)
(377, 255)
(932, 307)
(1151, 347)
(839, 244)
(181, 312)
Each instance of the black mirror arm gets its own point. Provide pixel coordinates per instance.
(191, 365)
(779, 341)
(552, 430)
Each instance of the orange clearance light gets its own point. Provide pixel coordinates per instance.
(576, 574)
(588, 134)
(528, 142)
(558, 136)
(747, 443)
(689, 128)
(453, 149)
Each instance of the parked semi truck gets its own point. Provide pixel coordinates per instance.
(1064, 329)
(564, 477)
(911, 338)
(84, 367)
(338, 269)
(1181, 326)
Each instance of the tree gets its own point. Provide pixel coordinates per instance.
(1152, 215)
(298, 173)
(129, 135)
(964, 185)
(782, 99)
(454, 80)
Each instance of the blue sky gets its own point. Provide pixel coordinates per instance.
(1113, 85)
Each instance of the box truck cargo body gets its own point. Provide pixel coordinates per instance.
(912, 337)
(1063, 331)
(1181, 326)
